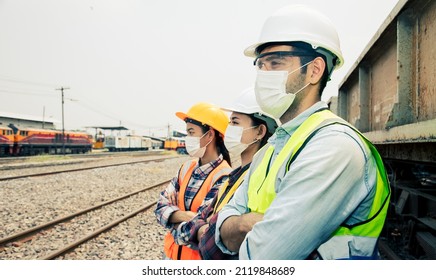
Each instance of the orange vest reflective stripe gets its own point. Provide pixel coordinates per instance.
(183, 183)
(172, 250)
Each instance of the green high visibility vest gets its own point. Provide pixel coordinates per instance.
(261, 188)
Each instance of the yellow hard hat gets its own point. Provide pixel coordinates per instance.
(207, 114)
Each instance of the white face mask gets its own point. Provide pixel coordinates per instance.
(270, 89)
(192, 145)
(232, 140)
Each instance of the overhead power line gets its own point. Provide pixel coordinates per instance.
(16, 80)
(27, 93)
(115, 117)
(31, 92)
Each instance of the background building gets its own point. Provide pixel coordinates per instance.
(27, 121)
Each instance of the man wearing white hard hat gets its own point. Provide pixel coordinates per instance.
(319, 190)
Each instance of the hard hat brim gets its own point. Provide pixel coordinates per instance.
(251, 50)
(238, 110)
(181, 116)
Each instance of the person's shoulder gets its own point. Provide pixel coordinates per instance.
(259, 155)
(187, 165)
(342, 138)
(190, 162)
(339, 129)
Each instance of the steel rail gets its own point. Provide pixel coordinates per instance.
(81, 169)
(29, 231)
(76, 243)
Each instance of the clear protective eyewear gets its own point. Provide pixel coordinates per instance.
(278, 60)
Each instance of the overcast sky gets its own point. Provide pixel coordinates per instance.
(137, 62)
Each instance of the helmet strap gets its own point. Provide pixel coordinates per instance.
(188, 120)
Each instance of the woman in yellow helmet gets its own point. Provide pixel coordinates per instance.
(199, 179)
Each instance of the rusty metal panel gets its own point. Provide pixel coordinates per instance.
(426, 61)
(383, 86)
(392, 86)
(353, 106)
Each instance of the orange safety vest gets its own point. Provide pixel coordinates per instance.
(180, 252)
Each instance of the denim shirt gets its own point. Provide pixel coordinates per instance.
(330, 182)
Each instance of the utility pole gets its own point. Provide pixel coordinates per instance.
(63, 127)
(43, 116)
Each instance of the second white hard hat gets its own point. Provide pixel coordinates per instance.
(246, 103)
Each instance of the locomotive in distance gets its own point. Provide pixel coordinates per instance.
(15, 141)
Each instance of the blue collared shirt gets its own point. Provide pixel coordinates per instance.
(328, 183)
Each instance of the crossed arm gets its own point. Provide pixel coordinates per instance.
(235, 228)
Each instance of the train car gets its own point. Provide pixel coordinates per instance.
(146, 143)
(390, 95)
(98, 141)
(6, 141)
(33, 141)
(127, 143)
(157, 144)
(175, 144)
(117, 143)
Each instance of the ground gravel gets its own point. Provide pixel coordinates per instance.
(32, 201)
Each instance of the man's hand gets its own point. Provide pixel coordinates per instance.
(235, 228)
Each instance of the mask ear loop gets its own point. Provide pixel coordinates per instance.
(295, 93)
(259, 139)
(249, 128)
(289, 73)
(255, 139)
(203, 136)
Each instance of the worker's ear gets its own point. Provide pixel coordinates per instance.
(261, 132)
(315, 70)
(211, 134)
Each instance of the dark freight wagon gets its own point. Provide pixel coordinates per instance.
(390, 95)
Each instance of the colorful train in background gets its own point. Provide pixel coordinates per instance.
(16, 141)
(175, 144)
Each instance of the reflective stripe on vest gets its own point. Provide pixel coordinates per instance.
(221, 201)
(261, 190)
(172, 250)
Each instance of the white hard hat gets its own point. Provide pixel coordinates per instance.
(246, 103)
(298, 23)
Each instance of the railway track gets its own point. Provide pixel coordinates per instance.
(20, 162)
(43, 230)
(36, 174)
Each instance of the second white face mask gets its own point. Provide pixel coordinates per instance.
(233, 138)
(270, 89)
